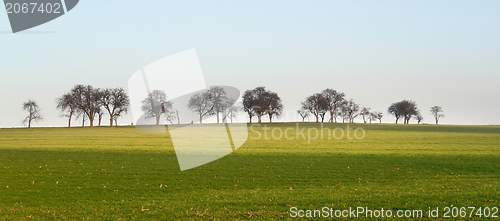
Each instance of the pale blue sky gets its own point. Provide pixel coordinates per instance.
(443, 53)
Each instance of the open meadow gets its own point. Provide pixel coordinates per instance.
(122, 173)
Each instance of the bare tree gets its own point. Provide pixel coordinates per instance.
(79, 113)
(365, 113)
(352, 110)
(316, 105)
(171, 115)
(33, 112)
(343, 112)
(303, 113)
(220, 101)
(419, 118)
(334, 101)
(437, 112)
(115, 101)
(376, 116)
(66, 103)
(155, 105)
(100, 114)
(177, 116)
(231, 113)
(118, 114)
(275, 106)
(202, 104)
(87, 101)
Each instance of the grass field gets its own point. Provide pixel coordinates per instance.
(121, 173)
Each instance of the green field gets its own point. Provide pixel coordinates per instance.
(113, 173)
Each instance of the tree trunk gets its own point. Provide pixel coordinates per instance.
(270, 118)
(29, 123)
(111, 120)
(217, 117)
(69, 121)
(259, 117)
(201, 119)
(157, 121)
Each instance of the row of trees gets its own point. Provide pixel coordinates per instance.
(334, 103)
(212, 102)
(216, 102)
(259, 102)
(407, 110)
(90, 103)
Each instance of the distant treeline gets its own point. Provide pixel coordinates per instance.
(90, 103)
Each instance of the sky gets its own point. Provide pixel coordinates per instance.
(442, 53)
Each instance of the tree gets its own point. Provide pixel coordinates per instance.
(87, 100)
(259, 102)
(408, 110)
(118, 114)
(155, 105)
(100, 114)
(115, 101)
(316, 105)
(84, 118)
(231, 113)
(344, 112)
(202, 104)
(248, 104)
(419, 118)
(352, 110)
(170, 116)
(66, 103)
(303, 113)
(177, 116)
(437, 112)
(334, 101)
(405, 108)
(33, 112)
(376, 116)
(394, 110)
(365, 113)
(275, 106)
(220, 101)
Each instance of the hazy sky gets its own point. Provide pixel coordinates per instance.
(443, 53)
